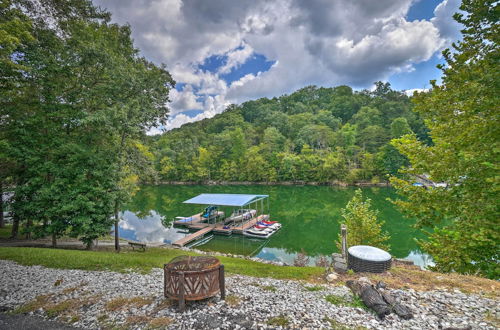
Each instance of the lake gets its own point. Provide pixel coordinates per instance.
(310, 216)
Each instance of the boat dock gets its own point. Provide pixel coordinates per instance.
(195, 221)
(205, 228)
(248, 224)
(188, 220)
(219, 229)
(191, 237)
(198, 226)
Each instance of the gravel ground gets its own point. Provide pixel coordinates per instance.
(91, 299)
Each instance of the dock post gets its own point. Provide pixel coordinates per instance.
(343, 233)
(268, 209)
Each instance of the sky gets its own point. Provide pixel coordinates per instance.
(223, 52)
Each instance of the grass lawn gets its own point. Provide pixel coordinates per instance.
(5, 231)
(144, 261)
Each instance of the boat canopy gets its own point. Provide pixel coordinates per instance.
(225, 199)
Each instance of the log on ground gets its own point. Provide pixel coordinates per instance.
(378, 298)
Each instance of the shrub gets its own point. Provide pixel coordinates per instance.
(363, 227)
(278, 321)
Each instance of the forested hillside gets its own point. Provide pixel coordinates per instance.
(314, 135)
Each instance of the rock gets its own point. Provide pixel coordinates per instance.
(256, 302)
(339, 259)
(340, 267)
(332, 277)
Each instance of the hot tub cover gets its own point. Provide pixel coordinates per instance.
(369, 253)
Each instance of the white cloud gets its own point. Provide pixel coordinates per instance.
(449, 29)
(155, 130)
(183, 100)
(149, 229)
(410, 92)
(235, 58)
(212, 106)
(243, 80)
(320, 42)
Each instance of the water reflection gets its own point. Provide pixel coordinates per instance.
(420, 259)
(148, 228)
(310, 218)
(279, 255)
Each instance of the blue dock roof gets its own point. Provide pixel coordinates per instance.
(225, 199)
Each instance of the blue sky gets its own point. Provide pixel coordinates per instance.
(417, 79)
(225, 51)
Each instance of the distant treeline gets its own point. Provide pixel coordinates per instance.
(315, 135)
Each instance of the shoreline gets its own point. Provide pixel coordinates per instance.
(274, 183)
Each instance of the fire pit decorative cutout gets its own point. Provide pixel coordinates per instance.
(193, 278)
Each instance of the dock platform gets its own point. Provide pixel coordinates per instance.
(219, 229)
(191, 237)
(185, 222)
(200, 225)
(205, 228)
(196, 219)
(250, 223)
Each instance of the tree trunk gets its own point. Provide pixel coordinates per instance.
(117, 237)
(15, 226)
(28, 228)
(90, 245)
(371, 297)
(54, 240)
(2, 221)
(378, 299)
(117, 203)
(401, 310)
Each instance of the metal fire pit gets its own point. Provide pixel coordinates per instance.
(364, 258)
(193, 278)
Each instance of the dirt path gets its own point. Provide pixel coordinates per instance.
(27, 322)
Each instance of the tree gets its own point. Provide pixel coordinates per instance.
(367, 116)
(316, 136)
(372, 137)
(289, 164)
(326, 118)
(273, 140)
(83, 98)
(390, 160)
(363, 227)
(400, 127)
(255, 167)
(463, 121)
(15, 34)
(352, 125)
(334, 167)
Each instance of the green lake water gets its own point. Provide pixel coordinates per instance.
(310, 216)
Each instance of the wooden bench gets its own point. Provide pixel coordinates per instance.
(137, 245)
